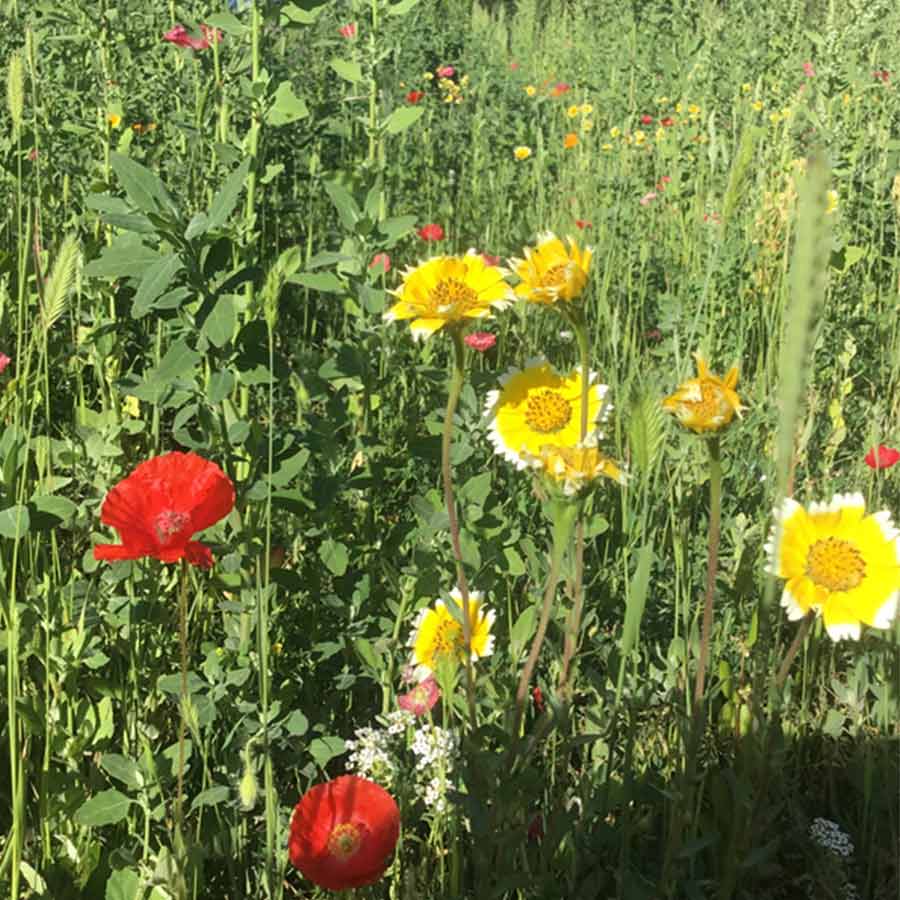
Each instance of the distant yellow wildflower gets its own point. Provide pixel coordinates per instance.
(530, 89)
(522, 152)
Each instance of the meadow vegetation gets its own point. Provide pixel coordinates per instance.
(212, 241)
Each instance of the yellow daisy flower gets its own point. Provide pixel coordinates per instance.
(614, 132)
(639, 137)
(536, 406)
(837, 561)
(572, 111)
(606, 147)
(746, 87)
(550, 273)
(577, 467)
(587, 125)
(446, 290)
(438, 634)
(530, 89)
(114, 119)
(522, 152)
(757, 105)
(707, 402)
(586, 109)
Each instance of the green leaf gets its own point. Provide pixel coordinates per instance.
(515, 565)
(155, 282)
(51, 511)
(178, 361)
(221, 323)
(344, 204)
(123, 884)
(324, 749)
(325, 282)
(123, 769)
(348, 70)
(143, 187)
(634, 604)
(296, 723)
(14, 522)
(846, 257)
(522, 630)
(292, 14)
(105, 808)
(476, 489)
(286, 106)
(210, 797)
(401, 119)
(397, 227)
(226, 199)
(127, 256)
(335, 556)
(229, 23)
(401, 8)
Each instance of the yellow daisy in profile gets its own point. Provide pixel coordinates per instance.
(536, 406)
(522, 152)
(707, 402)
(446, 290)
(837, 561)
(550, 272)
(438, 634)
(576, 468)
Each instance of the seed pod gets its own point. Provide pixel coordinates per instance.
(15, 91)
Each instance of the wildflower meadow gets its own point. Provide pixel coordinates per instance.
(449, 449)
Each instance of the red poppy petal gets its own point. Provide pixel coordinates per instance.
(118, 551)
(198, 554)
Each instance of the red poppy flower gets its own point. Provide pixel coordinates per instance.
(882, 457)
(882, 75)
(348, 31)
(431, 232)
(162, 504)
(537, 696)
(582, 224)
(667, 122)
(4, 362)
(382, 260)
(343, 832)
(480, 340)
(559, 89)
(414, 96)
(180, 36)
(646, 120)
(422, 697)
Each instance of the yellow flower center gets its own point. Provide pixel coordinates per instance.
(448, 638)
(835, 564)
(546, 411)
(453, 296)
(711, 401)
(555, 276)
(344, 841)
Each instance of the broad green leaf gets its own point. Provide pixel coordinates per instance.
(293, 14)
(286, 106)
(178, 361)
(476, 489)
(401, 119)
(397, 227)
(224, 202)
(124, 884)
(155, 282)
(123, 769)
(324, 749)
(325, 282)
(14, 522)
(210, 797)
(348, 70)
(229, 23)
(344, 204)
(126, 256)
(51, 510)
(221, 323)
(637, 597)
(514, 562)
(105, 808)
(334, 555)
(401, 8)
(296, 723)
(143, 187)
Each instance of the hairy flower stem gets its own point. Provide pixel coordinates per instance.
(456, 384)
(573, 624)
(715, 527)
(180, 850)
(564, 515)
(793, 650)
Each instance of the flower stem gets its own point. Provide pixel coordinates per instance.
(180, 854)
(456, 384)
(793, 650)
(564, 514)
(573, 624)
(715, 519)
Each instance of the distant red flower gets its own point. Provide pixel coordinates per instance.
(179, 36)
(667, 122)
(882, 75)
(348, 31)
(663, 181)
(414, 96)
(582, 224)
(4, 362)
(431, 232)
(514, 66)
(480, 340)
(343, 832)
(161, 505)
(646, 120)
(490, 260)
(536, 828)
(809, 70)
(446, 72)
(537, 696)
(421, 698)
(559, 89)
(382, 260)
(653, 334)
(882, 457)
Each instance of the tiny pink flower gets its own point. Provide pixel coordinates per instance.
(381, 259)
(480, 340)
(446, 72)
(809, 70)
(348, 31)
(648, 198)
(4, 362)
(421, 698)
(514, 65)
(490, 260)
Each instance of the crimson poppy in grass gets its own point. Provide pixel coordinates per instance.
(343, 833)
(162, 504)
(882, 457)
(431, 232)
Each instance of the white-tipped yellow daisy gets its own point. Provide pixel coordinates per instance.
(438, 634)
(837, 561)
(550, 273)
(446, 290)
(576, 468)
(707, 402)
(536, 406)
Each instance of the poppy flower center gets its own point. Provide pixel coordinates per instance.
(345, 840)
(453, 296)
(835, 564)
(168, 524)
(555, 276)
(547, 412)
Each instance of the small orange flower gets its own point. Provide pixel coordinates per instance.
(570, 140)
(707, 402)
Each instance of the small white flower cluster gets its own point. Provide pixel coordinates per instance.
(372, 754)
(850, 891)
(828, 835)
(436, 751)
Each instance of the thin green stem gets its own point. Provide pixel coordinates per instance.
(793, 650)
(181, 855)
(456, 384)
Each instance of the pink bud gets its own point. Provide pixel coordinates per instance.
(381, 259)
(481, 340)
